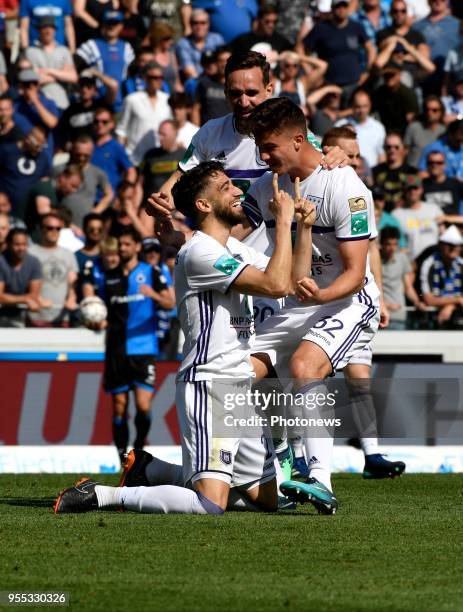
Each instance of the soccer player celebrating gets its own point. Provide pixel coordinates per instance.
(215, 274)
(340, 315)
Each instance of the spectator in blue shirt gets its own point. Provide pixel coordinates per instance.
(230, 18)
(109, 155)
(190, 48)
(22, 164)
(31, 11)
(109, 55)
(372, 17)
(451, 145)
(32, 108)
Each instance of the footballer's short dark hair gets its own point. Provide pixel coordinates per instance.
(192, 184)
(275, 116)
(389, 233)
(246, 60)
(131, 232)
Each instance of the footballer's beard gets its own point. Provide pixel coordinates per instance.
(230, 217)
(242, 123)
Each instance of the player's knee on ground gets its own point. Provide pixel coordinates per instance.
(265, 496)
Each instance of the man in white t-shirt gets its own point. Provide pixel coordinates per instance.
(215, 276)
(418, 220)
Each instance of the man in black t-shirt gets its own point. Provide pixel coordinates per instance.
(210, 100)
(159, 163)
(438, 188)
(391, 175)
(77, 119)
(264, 32)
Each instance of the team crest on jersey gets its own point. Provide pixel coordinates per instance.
(225, 457)
(316, 201)
(359, 223)
(140, 278)
(226, 264)
(357, 204)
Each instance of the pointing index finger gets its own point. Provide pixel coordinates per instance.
(276, 190)
(297, 189)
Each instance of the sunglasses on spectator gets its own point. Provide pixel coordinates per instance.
(398, 11)
(52, 228)
(433, 109)
(103, 121)
(199, 22)
(154, 77)
(392, 146)
(436, 162)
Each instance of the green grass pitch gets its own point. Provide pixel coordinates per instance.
(394, 545)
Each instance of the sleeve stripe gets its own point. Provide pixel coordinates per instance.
(352, 238)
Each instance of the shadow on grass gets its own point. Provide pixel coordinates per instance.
(33, 502)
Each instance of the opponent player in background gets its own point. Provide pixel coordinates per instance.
(215, 274)
(358, 370)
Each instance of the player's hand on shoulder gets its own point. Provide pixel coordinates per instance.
(281, 204)
(304, 210)
(307, 290)
(333, 157)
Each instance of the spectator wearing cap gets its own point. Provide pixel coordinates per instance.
(370, 132)
(210, 101)
(454, 103)
(180, 106)
(52, 62)
(439, 189)
(397, 277)
(9, 131)
(425, 130)
(21, 165)
(109, 154)
(451, 145)
(230, 18)
(77, 119)
(33, 109)
(396, 103)
(20, 281)
(264, 32)
(31, 11)
(419, 221)
(400, 44)
(142, 114)
(190, 48)
(339, 40)
(160, 162)
(95, 193)
(441, 277)
(391, 174)
(442, 33)
(110, 55)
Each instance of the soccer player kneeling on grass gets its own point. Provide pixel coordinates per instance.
(215, 275)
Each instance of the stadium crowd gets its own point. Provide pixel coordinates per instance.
(100, 100)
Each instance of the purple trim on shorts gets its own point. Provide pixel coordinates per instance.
(309, 386)
(209, 505)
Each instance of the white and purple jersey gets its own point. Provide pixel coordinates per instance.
(218, 324)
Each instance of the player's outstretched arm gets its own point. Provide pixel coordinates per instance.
(275, 281)
(354, 258)
(305, 217)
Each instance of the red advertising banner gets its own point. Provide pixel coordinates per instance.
(64, 403)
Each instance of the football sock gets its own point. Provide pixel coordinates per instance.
(364, 415)
(159, 472)
(120, 433)
(318, 450)
(298, 447)
(167, 499)
(142, 424)
(108, 496)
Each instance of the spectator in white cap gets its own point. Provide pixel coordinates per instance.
(441, 278)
